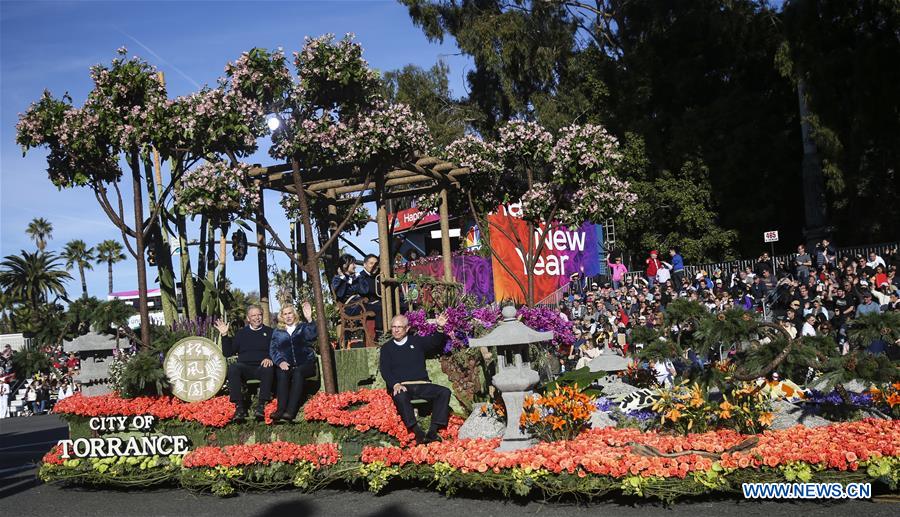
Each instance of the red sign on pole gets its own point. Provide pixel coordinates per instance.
(771, 236)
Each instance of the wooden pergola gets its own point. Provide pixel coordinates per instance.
(420, 176)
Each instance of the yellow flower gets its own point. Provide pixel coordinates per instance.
(765, 419)
(725, 408)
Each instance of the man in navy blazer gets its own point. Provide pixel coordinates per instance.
(402, 365)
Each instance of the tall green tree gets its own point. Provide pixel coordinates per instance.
(109, 252)
(33, 278)
(846, 55)
(694, 80)
(428, 92)
(77, 253)
(40, 231)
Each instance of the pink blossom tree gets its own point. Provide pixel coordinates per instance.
(566, 179)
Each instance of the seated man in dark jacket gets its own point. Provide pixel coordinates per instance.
(402, 365)
(366, 286)
(294, 357)
(251, 344)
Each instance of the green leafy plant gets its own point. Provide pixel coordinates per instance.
(143, 374)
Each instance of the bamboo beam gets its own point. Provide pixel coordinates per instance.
(445, 236)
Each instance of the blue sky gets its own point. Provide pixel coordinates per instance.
(51, 45)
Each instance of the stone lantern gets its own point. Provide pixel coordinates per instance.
(514, 377)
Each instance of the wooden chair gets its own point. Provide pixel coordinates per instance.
(354, 323)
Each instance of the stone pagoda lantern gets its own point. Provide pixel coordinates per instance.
(514, 377)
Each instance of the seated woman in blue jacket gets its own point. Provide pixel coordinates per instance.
(294, 359)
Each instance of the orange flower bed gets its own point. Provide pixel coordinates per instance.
(215, 412)
(318, 454)
(377, 412)
(606, 452)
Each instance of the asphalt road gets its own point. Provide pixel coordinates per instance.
(24, 440)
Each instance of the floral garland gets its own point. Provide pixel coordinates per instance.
(318, 454)
(215, 412)
(378, 412)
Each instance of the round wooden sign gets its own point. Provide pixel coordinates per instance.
(196, 369)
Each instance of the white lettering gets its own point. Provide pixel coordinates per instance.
(95, 423)
(138, 422)
(181, 445)
(115, 446)
(576, 240)
(81, 447)
(65, 447)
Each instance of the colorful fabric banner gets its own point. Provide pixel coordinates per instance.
(565, 252)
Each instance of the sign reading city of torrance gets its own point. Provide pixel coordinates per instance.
(196, 369)
(115, 446)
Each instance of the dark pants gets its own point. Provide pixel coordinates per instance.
(439, 397)
(290, 388)
(238, 373)
(678, 280)
(376, 308)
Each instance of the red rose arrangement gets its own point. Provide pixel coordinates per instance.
(319, 454)
(215, 412)
(606, 452)
(377, 412)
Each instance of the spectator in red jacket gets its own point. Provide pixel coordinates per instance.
(653, 265)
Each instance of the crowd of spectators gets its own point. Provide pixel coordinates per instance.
(815, 294)
(42, 389)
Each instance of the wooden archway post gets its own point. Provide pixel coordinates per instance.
(385, 263)
(445, 236)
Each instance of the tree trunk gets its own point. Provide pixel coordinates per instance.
(109, 266)
(188, 294)
(221, 281)
(312, 269)
(262, 265)
(84, 292)
(143, 307)
(165, 270)
(201, 255)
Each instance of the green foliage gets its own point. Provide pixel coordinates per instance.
(32, 278)
(884, 326)
(428, 92)
(729, 327)
(852, 115)
(681, 311)
(143, 374)
(582, 378)
(111, 315)
(807, 352)
(30, 361)
(859, 365)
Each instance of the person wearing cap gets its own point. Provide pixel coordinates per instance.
(788, 326)
(868, 306)
(617, 272)
(653, 265)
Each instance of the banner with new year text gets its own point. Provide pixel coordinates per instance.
(566, 251)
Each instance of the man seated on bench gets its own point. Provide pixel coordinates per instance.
(251, 344)
(402, 365)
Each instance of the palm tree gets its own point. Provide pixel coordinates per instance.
(40, 230)
(77, 253)
(32, 277)
(110, 252)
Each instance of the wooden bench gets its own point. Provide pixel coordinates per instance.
(363, 321)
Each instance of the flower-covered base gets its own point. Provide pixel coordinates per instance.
(596, 462)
